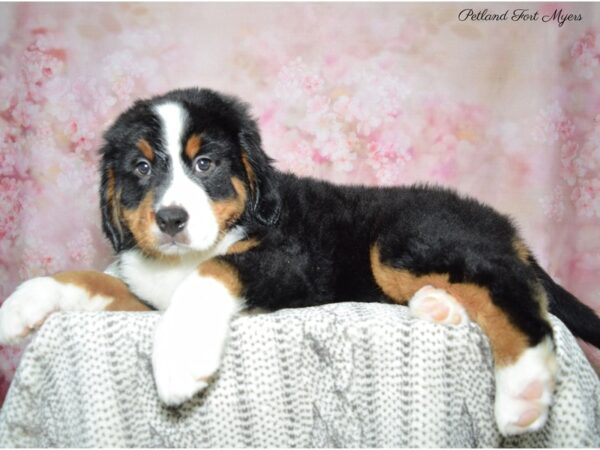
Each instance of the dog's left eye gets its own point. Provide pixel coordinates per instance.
(202, 164)
(143, 168)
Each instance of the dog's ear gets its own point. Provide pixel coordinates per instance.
(110, 206)
(264, 193)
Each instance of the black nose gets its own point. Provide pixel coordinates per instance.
(171, 220)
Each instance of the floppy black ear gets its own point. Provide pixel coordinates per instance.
(264, 193)
(110, 207)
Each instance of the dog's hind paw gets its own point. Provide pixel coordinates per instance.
(524, 390)
(437, 305)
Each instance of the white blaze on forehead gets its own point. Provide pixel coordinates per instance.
(173, 118)
(202, 227)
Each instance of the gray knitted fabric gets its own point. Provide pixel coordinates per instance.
(350, 375)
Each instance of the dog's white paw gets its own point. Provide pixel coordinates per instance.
(27, 308)
(436, 305)
(34, 300)
(183, 359)
(524, 390)
(190, 337)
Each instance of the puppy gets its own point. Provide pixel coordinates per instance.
(203, 225)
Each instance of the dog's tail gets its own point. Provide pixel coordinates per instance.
(579, 318)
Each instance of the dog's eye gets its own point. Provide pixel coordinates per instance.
(143, 168)
(202, 164)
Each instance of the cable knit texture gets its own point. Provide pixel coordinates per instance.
(340, 375)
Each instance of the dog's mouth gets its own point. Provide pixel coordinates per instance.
(180, 243)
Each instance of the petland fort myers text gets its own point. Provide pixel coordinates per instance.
(558, 16)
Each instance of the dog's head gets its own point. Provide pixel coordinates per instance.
(178, 171)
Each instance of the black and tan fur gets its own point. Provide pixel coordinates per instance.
(313, 242)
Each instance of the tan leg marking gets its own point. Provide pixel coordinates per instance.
(539, 293)
(223, 272)
(98, 283)
(541, 297)
(229, 210)
(144, 146)
(521, 250)
(400, 285)
(192, 148)
(242, 246)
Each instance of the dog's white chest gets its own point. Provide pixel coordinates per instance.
(154, 281)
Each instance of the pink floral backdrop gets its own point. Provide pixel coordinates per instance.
(380, 94)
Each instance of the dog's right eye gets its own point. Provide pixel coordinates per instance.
(142, 168)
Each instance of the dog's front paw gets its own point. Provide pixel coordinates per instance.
(34, 300)
(27, 308)
(524, 390)
(184, 359)
(189, 339)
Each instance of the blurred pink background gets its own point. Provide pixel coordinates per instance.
(508, 112)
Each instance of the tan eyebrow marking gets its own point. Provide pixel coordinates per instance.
(192, 148)
(146, 149)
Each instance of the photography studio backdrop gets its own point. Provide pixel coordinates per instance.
(507, 111)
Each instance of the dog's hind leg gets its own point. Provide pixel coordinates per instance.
(508, 304)
(34, 300)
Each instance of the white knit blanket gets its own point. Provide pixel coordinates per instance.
(349, 375)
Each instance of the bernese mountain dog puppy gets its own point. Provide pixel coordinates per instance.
(203, 225)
